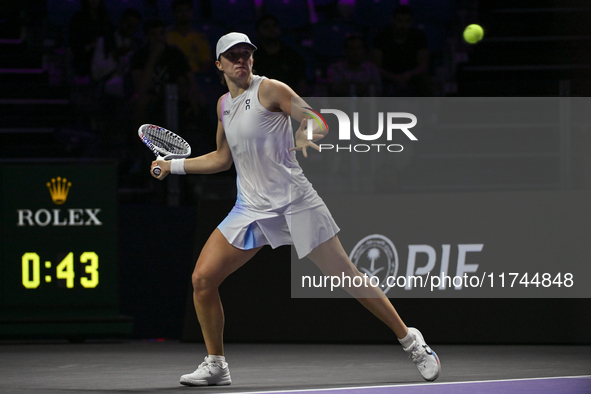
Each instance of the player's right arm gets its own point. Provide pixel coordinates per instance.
(217, 161)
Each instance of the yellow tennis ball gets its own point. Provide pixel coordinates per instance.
(473, 33)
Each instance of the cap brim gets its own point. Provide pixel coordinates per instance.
(228, 47)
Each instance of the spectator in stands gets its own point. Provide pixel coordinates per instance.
(184, 36)
(113, 88)
(356, 75)
(152, 68)
(86, 26)
(112, 56)
(274, 59)
(401, 52)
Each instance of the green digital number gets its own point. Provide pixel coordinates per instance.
(65, 270)
(29, 259)
(91, 268)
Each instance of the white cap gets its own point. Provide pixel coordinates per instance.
(229, 40)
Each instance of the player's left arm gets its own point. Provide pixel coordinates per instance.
(277, 96)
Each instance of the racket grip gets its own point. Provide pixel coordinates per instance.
(157, 170)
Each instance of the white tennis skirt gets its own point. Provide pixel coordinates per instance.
(304, 226)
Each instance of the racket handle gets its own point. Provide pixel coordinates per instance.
(157, 170)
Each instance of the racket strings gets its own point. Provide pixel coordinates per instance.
(167, 141)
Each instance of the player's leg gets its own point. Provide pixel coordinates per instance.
(217, 260)
(332, 260)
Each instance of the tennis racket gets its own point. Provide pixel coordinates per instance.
(165, 144)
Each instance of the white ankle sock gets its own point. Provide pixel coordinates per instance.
(407, 340)
(216, 359)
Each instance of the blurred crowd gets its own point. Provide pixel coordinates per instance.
(110, 65)
(119, 69)
(118, 58)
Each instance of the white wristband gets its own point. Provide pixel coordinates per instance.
(177, 166)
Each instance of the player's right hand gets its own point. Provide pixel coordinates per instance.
(164, 166)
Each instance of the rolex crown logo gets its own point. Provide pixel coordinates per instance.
(59, 188)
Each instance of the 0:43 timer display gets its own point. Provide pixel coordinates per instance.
(64, 270)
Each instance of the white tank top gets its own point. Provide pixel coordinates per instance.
(269, 176)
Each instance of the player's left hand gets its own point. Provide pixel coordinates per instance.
(302, 143)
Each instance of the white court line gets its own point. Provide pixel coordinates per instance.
(411, 385)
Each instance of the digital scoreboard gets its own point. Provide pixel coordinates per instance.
(58, 250)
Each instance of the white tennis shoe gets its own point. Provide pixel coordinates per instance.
(209, 373)
(424, 358)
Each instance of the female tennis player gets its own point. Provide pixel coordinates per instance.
(254, 132)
